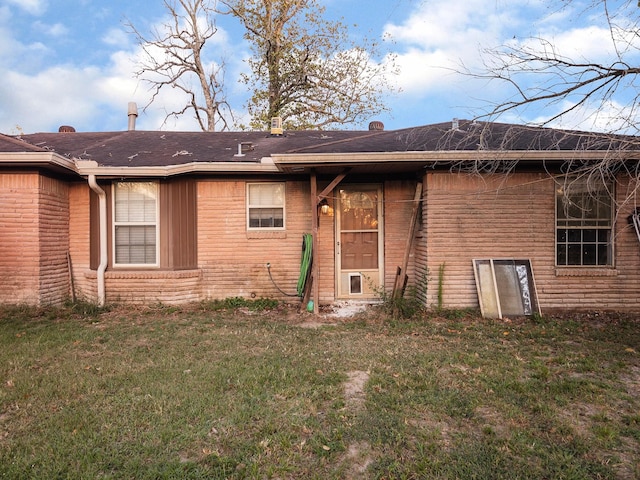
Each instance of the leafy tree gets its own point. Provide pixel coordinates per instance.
(174, 57)
(305, 69)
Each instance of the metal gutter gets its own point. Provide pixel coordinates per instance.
(297, 162)
(28, 159)
(88, 167)
(443, 155)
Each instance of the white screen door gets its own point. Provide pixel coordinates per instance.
(359, 243)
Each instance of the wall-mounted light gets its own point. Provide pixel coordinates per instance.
(324, 206)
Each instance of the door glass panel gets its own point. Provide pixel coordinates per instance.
(359, 210)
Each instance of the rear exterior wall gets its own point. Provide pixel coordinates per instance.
(470, 217)
(233, 260)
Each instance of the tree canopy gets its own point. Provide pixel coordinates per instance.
(303, 68)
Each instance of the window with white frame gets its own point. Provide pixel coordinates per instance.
(265, 206)
(135, 223)
(584, 219)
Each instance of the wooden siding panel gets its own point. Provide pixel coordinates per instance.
(178, 225)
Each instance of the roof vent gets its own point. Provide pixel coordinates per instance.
(376, 125)
(455, 124)
(276, 126)
(66, 129)
(243, 148)
(132, 113)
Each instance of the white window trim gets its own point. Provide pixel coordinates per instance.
(114, 224)
(283, 206)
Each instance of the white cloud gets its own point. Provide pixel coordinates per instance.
(34, 7)
(592, 43)
(117, 37)
(58, 94)
(441, 36)
(610, 116)
(15, 53)
(94, 97)
(53, 30)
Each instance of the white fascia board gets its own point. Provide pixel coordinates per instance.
(86, 168)
(286, 159)
(29, 159)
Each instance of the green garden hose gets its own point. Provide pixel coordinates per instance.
(305, 267)
(305, 263)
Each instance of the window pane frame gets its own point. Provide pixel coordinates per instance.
(136, 215)
(266, 203)
(584, 225)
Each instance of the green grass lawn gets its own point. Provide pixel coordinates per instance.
(203, 392)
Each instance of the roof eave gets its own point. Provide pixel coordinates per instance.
(266, 166)
(300, 162)
(47, 160)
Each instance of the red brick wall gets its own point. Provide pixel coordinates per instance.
(467, 217)
(398, 208)
(53, 226)
(34, 239)
(79, 243)
(233, 260)
(19, 242)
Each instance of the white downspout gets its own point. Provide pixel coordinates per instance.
(104, 258)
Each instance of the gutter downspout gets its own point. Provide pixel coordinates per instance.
(104, 258)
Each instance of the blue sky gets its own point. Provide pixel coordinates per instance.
(71, 62)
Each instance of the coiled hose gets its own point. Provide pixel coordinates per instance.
(305, 262)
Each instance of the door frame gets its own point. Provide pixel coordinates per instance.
(370, 287)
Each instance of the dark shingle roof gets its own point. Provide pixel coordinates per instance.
(158, 148)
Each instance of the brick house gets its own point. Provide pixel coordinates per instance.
(172, 217)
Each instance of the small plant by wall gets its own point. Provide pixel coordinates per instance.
(406, 304)
(440, 286)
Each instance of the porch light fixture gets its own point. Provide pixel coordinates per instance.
(324, 206)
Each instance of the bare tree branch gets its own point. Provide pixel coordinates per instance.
(538, 74)
(172, 57)
(535, 74)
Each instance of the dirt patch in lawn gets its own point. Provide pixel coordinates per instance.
(354, 387)
(358, 455)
